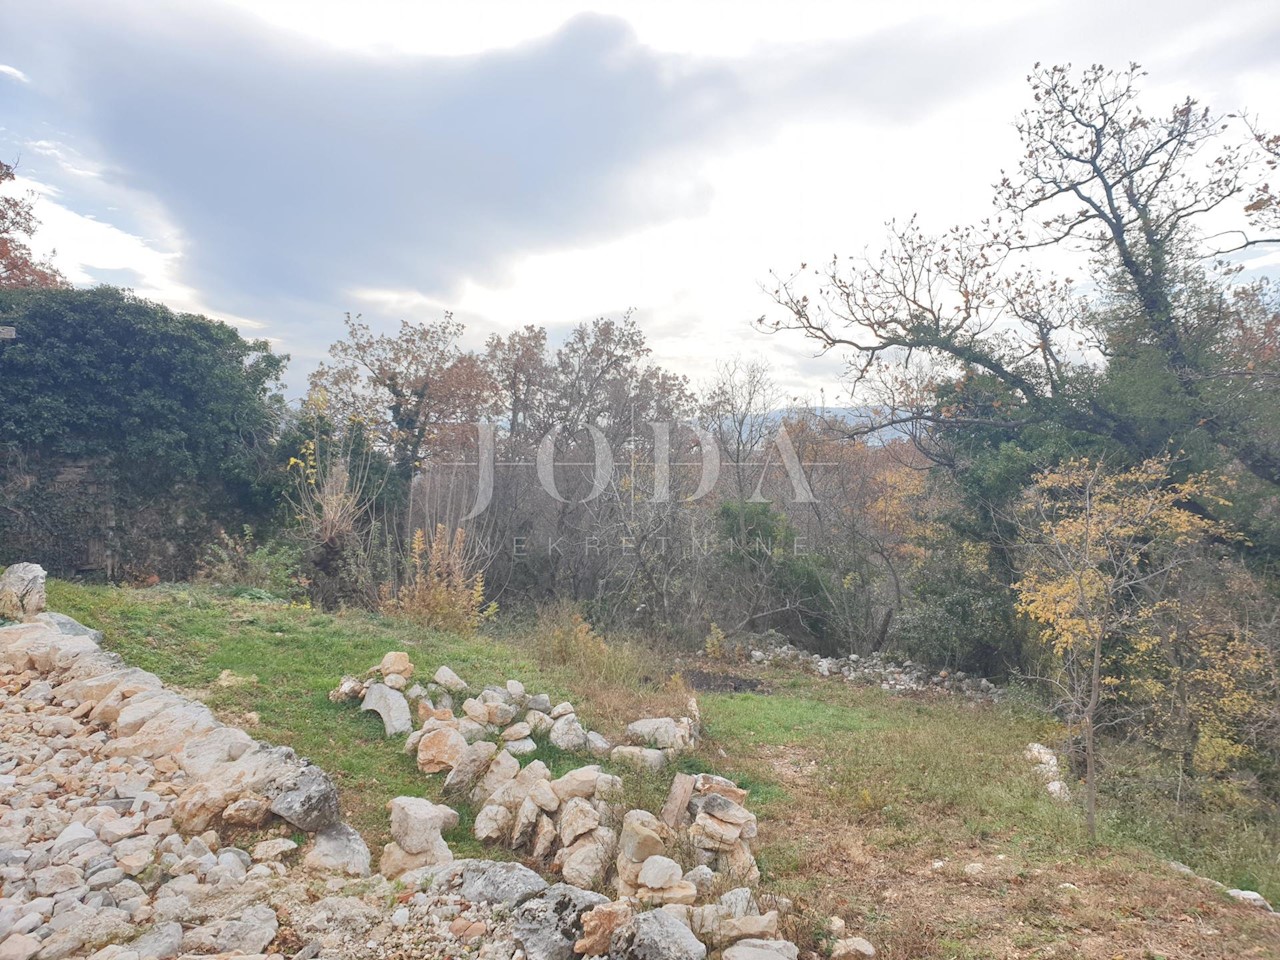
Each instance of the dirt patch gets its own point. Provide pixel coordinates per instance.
(916, 902)
(706, 682)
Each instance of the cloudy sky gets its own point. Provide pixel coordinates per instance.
(275, 163)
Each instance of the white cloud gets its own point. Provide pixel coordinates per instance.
(14, 73)
(83, 248)
(761, 199)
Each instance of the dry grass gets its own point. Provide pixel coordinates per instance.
(858, 792)
(861, 794)
(613, 682)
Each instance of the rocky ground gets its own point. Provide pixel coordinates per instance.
(135, 826)
(874, 669)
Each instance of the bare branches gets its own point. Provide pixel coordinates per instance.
(1004, 346)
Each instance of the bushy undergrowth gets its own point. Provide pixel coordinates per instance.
(444, 588)
(242, 563)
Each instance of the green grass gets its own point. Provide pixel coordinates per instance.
(925, 774)
(886, 782)
(188, 636)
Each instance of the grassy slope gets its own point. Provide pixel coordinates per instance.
(859, 793)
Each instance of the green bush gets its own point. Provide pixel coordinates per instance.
(255, 571)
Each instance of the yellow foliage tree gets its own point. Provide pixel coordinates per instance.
(1106, 553)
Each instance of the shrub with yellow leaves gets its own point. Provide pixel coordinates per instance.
(444, 590)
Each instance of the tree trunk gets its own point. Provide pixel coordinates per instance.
(1090, 744)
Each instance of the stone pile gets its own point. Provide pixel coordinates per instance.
(135, 826)
(874, 670)
(115, 798)
(719, 827)
(506, 716)
(562, 823)
(1046, 766)
(573, 825)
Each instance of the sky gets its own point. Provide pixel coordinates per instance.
(278, 163)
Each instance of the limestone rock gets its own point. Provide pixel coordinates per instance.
(656, 935)
(547, 926)
(20, 946)
(470, 766)
(338, 848)
(272, 849)
(760, 926)
(761, 950)
(396, 662)
(577, 817)
(675, 810)
(502, 769)
(644, 758)
(1251, 897)
(663, 733)
(348, 688)
(568, 734)
(517, 731)
(450, 680)
(161, 941)
(440, 749)
(539, 723)
(22, 593)
(510, 884)
(311, 801)
(416, 825)
(710, 783)
(248, 811)
(659, 872)
(542, 793)
(580, 782)
(586, 866)
(395, 860)
(544, 838)
(599, 925)
(493, 823)
(391, 706)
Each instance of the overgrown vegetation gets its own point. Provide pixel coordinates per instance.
(1072, 486)
(858, 791)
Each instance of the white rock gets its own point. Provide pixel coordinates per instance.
(450, 680)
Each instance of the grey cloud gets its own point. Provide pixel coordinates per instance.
(297, 172)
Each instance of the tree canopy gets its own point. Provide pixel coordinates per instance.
(964, 339)
(103, 373)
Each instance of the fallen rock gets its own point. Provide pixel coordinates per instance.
(338, 848)
(656, 935)
(391, 706)
(548, 925)
(22, 591)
